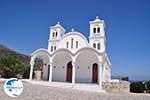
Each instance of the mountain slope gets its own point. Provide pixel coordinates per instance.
(4, 51)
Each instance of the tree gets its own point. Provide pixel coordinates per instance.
(137, 87)
(11, 67)
(147, 85)
(125, 78)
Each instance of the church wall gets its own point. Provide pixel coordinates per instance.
(59, 71)
(81, 42)
(107, 72)
(84, 71)
(101, 41)
(45, 72)
(84, 64)
(59, 63)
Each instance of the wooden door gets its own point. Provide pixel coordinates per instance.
(95, 73)
(69, 72)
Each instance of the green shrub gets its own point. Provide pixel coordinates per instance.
(147, 85)
(147, 91)
(11, 67)
(125, 78)
(137, 87)
(26, 73)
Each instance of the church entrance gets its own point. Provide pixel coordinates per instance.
(69, 72)
(40, 69)
(95, 73)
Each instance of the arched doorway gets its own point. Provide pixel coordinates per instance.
(60, 61)
(84, 66)
(69, 72)
(41, 70)
(95, 73)
(38, 69)
(40, 65)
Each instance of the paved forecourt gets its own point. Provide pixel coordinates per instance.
(34, 91)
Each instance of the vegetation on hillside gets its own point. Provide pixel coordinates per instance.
(5, 51)
(11, 67)
(13, 64)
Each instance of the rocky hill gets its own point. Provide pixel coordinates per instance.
(4, 51)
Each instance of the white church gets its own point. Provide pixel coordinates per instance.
(73, 58)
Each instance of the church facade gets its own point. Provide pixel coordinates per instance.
(70, 57)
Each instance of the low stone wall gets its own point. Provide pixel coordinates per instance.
(116, 86)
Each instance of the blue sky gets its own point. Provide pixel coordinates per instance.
(24, 27)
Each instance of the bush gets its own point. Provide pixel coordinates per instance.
(147, 91)
(26, 73)
(11, 67)
(137, 87)
(148, 85)
(125, 78)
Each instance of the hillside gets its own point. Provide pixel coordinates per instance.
(4, 51)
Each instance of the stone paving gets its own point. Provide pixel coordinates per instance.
(41, 92)
(76, 86)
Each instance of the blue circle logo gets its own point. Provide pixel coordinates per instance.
(13, 87)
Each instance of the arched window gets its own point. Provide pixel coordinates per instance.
(71, 42)
(98, 46)
(94, 30)
(54, 47)
(56, 34)
(51, 48)
(67, 44)
(76, 44)
(53, 34)
(94, 45)
(98, 30)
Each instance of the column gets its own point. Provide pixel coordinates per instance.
(103, 72)
(31, 70)
(100, 74)
(50, 72)
(73, 72)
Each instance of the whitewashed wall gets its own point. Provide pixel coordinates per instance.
(60, 62)
(76, 37)
(84, 62)
(45, 72)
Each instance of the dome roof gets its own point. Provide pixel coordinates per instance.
(97, 19)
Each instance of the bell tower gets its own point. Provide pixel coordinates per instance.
(56, 32)
(97, 34)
